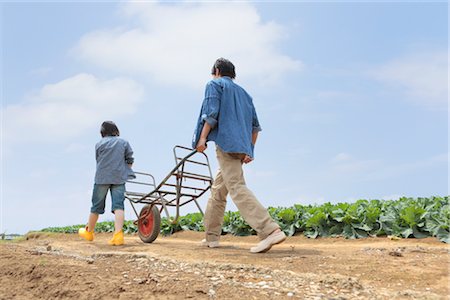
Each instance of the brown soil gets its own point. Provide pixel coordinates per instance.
(61, 266)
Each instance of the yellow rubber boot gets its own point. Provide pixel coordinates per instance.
(117, 239)
(87, 235)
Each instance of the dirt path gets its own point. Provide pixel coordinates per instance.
(61, 266)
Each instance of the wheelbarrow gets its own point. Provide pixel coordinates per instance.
(186, 182)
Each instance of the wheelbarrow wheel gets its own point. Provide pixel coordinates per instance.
(149, 223)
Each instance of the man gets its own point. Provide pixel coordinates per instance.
(228, 118)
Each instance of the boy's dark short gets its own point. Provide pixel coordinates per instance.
(99, 196)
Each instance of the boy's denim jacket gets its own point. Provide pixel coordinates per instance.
(113, 156)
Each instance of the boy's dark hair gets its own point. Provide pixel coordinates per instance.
(109, 128)
(225, 67)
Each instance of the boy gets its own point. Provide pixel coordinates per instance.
(114, 158)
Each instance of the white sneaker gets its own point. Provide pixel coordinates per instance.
(213, 244)
(274, 238)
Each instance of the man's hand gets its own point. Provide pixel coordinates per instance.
(201, 145)
(247, 159)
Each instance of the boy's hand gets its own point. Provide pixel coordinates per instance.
(201, 145)
(247, 159)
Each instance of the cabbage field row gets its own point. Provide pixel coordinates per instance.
(405, 217)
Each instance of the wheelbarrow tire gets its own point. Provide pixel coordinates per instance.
(150, 225)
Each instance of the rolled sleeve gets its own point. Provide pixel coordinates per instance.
(210, 120)
(257, 128)
(211, 104)
(255, 123)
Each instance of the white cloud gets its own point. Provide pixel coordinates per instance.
(423, 77)
(176, 44)
(425, 163)
(344, 163)
(341, 157)
(67, 108)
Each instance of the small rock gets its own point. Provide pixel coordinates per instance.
(290, 294)
(395, 253)
(139, 280)
(200, 291)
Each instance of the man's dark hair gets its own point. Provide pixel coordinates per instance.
(109, 128)
(225, 67)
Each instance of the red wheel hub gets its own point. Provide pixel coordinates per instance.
(146, 224)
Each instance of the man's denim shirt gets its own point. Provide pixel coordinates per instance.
(113, 155)
(229, 109)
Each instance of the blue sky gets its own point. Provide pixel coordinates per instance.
(352, 97)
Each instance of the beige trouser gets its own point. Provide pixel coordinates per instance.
(230, 179)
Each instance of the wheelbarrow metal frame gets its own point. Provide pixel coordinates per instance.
(167, 194)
